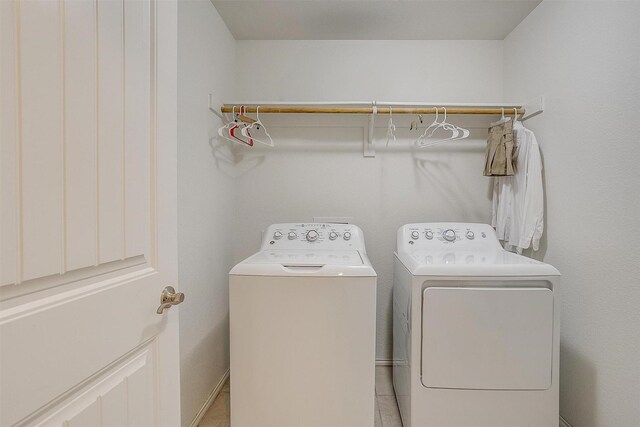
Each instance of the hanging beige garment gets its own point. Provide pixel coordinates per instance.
(499, 160)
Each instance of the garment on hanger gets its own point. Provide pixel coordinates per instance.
(518, 200)
(499, 159)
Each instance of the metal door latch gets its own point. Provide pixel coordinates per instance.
(168, 298)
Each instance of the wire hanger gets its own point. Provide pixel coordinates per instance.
(257, 124)
(391, 128)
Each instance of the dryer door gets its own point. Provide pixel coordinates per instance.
(487, 338)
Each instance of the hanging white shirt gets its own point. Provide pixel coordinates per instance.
(518, 200)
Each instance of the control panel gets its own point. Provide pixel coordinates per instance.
(315, 236)
(438, 236)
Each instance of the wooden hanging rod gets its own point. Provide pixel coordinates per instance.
(369, 110)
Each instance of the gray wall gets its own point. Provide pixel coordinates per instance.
(584, 57)
(206, 54)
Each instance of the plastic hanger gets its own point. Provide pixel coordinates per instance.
(223, 130)
(257, 123)
(234, 129)
(241, 116)
(420, 140)
(391, 128)
(465, 134)
(515, 115)
(502, 120)
(228, 130)
(446, 126)
(455, 132)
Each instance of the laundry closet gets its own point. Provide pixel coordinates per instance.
(131, 155)
(319, 169)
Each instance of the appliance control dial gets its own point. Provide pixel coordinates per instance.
(312, 235)
(277, 235)
(449, 235)
(292, 235)
(415, 235)
(428, 234)
(470, 235)
(333, 235)
(346, 235)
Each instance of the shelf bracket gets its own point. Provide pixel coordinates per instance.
(369, 149)
(214, 109)
(533, 108)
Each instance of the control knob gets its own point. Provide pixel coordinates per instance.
(470, 235)
(333, 235)
(428, 234)
(277, 235)
(312, 236)
(415, 235)
(346, 235)
(292, 235)
(449, 235)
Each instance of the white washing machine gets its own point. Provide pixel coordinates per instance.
(475, 330)
(302, 321)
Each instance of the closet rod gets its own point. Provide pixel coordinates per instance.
(369, 110)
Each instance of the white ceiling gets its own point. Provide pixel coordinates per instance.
(373, 20)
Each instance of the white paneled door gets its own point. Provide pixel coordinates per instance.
(88, 213)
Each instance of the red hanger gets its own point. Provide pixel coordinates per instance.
(232, 130)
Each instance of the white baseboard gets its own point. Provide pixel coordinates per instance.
(207, 403)
(564, 423)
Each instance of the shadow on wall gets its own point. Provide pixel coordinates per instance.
(442, 178)
(233, 160)
(583, 387)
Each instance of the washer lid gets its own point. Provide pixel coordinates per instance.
(473, 263)
(304, 258)
(276, 262)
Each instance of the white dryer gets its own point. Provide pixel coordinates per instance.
(302, 323)
(475, 330)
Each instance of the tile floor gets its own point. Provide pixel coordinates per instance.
(387, 414)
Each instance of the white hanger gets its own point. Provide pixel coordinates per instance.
(455, 132)
(227, 131)
(421, 138)
(223, 130)
(448, 126)
(257, 124)
(465, 134)
(502, 120)
(391, 128)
